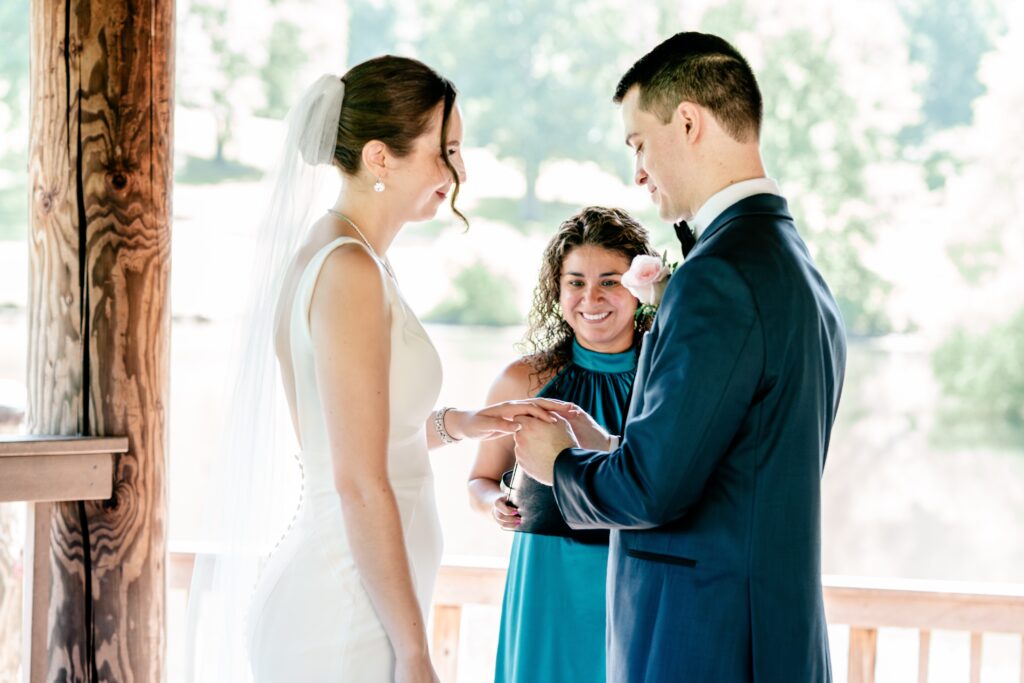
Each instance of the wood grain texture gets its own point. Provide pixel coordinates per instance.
(11, 582)
(52, 478)
(38, 579)
(100, 173)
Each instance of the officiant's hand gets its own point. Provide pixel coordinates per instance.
(538, 443)
(494, 421)
(589, 434)
(505, 515)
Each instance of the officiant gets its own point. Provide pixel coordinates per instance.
(582, 345)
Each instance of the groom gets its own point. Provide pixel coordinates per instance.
(714, 493)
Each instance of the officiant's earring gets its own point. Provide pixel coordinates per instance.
(378, 186)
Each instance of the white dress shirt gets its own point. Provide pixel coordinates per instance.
(723, 199)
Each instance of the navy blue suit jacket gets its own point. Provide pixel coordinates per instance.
(714, 495)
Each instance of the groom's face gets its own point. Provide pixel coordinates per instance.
(660, 157)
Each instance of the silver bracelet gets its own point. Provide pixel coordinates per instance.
(439, 426)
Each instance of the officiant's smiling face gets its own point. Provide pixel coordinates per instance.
(594, 302)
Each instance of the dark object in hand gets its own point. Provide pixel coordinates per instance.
(538, 510)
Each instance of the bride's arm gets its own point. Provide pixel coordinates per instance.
(349, 322)
(492, 422)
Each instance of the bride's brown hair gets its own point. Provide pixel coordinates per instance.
(392, 99)
(548, 341)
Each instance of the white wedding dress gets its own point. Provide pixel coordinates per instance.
(310, 618)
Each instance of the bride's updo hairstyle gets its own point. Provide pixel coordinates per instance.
(391, 99)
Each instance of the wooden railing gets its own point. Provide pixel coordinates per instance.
(865, 605)
(469, 581)
(41, 470)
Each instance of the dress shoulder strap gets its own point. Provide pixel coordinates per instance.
(311, 274)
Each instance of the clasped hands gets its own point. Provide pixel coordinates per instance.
(542, 428)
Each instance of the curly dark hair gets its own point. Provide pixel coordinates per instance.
(548, 342)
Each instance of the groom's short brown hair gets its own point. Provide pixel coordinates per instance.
(703, 69)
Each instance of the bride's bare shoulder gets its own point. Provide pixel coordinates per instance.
(348, 265)
(350, 269)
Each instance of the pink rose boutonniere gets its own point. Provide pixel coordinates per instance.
(646, 279)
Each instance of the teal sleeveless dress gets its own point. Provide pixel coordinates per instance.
(553, 613)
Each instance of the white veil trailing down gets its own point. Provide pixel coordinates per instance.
(256, 487)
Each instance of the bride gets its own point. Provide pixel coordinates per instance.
(344, 595)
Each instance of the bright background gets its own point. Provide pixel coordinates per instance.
(894, 129)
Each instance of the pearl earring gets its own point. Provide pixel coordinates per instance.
(378, 186)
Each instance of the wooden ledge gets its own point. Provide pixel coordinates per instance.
(918, 604)
(38, 469)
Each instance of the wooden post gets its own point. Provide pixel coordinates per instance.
(924, 651)
(863, 646)
(445, 642)
(100, 176)
(976, 658)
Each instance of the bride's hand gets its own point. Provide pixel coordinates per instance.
(494, 421)
(416, 669)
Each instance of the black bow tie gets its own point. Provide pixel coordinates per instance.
(686, 237)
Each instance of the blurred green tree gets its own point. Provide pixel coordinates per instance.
(981, 376)
(981, 371)
(371, 29)
(948, 38)
(279, 73)
(480, 298)
(14, 72)
(217, 88)
(812, 142)
(537, 77)
(815, 145)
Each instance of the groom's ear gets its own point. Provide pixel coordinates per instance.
(689, 118)
(375, 157)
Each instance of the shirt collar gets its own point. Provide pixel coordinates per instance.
(597, 361)
(724, 198)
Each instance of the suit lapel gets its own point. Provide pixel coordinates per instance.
(636, 401)
(763, 204)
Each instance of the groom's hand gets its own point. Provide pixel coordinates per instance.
(539, 442)
(589, 434)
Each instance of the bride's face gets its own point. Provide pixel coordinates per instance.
(421, 180)
(594, 302)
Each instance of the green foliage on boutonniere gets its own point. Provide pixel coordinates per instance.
(650, 295)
